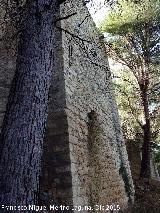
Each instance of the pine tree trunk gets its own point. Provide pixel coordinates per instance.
(146, 149)
(25, 119)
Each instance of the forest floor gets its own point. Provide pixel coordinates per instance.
(147, 200)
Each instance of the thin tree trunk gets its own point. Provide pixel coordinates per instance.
(146, 149)
(25, 119)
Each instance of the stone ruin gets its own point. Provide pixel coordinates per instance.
(84, 160)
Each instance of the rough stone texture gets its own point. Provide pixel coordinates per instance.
(56, 180)
(95, 171)
(154, 170)
(85, 160)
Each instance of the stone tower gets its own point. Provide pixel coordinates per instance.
(85, 160)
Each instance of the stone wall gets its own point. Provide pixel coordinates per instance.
(100, 172)
(56, 179)
(84, 159)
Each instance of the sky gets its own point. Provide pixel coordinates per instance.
(99, 15)
(97, 10)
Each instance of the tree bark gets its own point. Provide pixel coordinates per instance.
(146, 149)
(26, 113)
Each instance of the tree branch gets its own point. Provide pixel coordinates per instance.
(65, 17)
(131, 108)
(73, 35)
